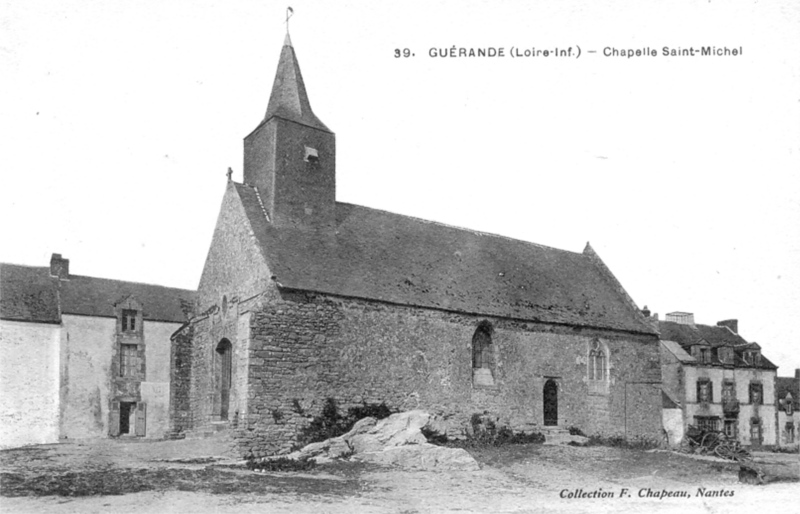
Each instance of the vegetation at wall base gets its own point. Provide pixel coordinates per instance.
(484, 434)
(280, 464)
(330, 423)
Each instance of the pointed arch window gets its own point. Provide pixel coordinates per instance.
(598, 362)
(483, 355)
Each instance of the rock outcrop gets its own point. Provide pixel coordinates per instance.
(396, 440)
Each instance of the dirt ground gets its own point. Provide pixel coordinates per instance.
(203, 476)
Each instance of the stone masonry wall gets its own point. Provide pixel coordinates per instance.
(180, 383)
(304, 349)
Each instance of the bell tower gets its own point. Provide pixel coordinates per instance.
(290, 157)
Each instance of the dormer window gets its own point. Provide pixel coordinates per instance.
(705, 355)
(129, 320)
(752, 357)
(725, 355)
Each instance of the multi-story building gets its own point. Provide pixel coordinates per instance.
(84, 357)
(719, 380)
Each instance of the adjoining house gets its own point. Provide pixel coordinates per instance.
(717, 380)
(84, 357)
(787, 393)
(304, 298)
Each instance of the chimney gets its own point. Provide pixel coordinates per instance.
(683, 318)
(646, 312)
(797, 373)
(732, 324)
(59, 267)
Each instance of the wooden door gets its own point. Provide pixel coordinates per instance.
(113, 420)
(550, 398)
(141, 419)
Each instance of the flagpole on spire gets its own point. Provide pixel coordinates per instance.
(289, 14)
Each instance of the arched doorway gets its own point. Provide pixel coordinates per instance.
(550, 399)
(224, 377)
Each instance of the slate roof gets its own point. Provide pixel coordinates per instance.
(289, 99)
(399, 259)
(715, 337)
(678, 351)
(784, 385)
(29, 293)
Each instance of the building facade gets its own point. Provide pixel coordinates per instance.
(304, 298)
(787, 392)
(718, 379)
(84, 357)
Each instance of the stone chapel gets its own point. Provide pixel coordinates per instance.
(304, 298)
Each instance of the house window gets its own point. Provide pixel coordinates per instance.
(705, 355)
(706, 422)
(752, 357)
(128, 320)
(789, 432)
(755, 431)
(704, 391)
(788, 405)
(128, 360)
(756, 393)
(731, 428)
(728, 392)
(725, 355)
(597, 362)
(483, 355)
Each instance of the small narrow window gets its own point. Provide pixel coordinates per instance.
(755, 431)
(128, 320)
(483, 355)
(311, 154)
(731, 428)
(756, 393)
(788, 404)
(597, 362)
(789, 432)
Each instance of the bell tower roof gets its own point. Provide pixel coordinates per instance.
(289, 99)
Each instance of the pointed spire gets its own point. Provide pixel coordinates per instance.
(289, 99)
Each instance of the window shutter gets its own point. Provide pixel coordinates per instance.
(699, 392)
(113, 420)
(710, 392)
(141, 410)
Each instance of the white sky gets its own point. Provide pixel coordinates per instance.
(118, 120)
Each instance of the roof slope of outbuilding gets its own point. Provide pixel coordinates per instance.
(383, 256)
(29, 293)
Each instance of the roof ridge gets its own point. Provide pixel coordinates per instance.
(22, 265)
(465, 229)
(76, 276)
(150, 284)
